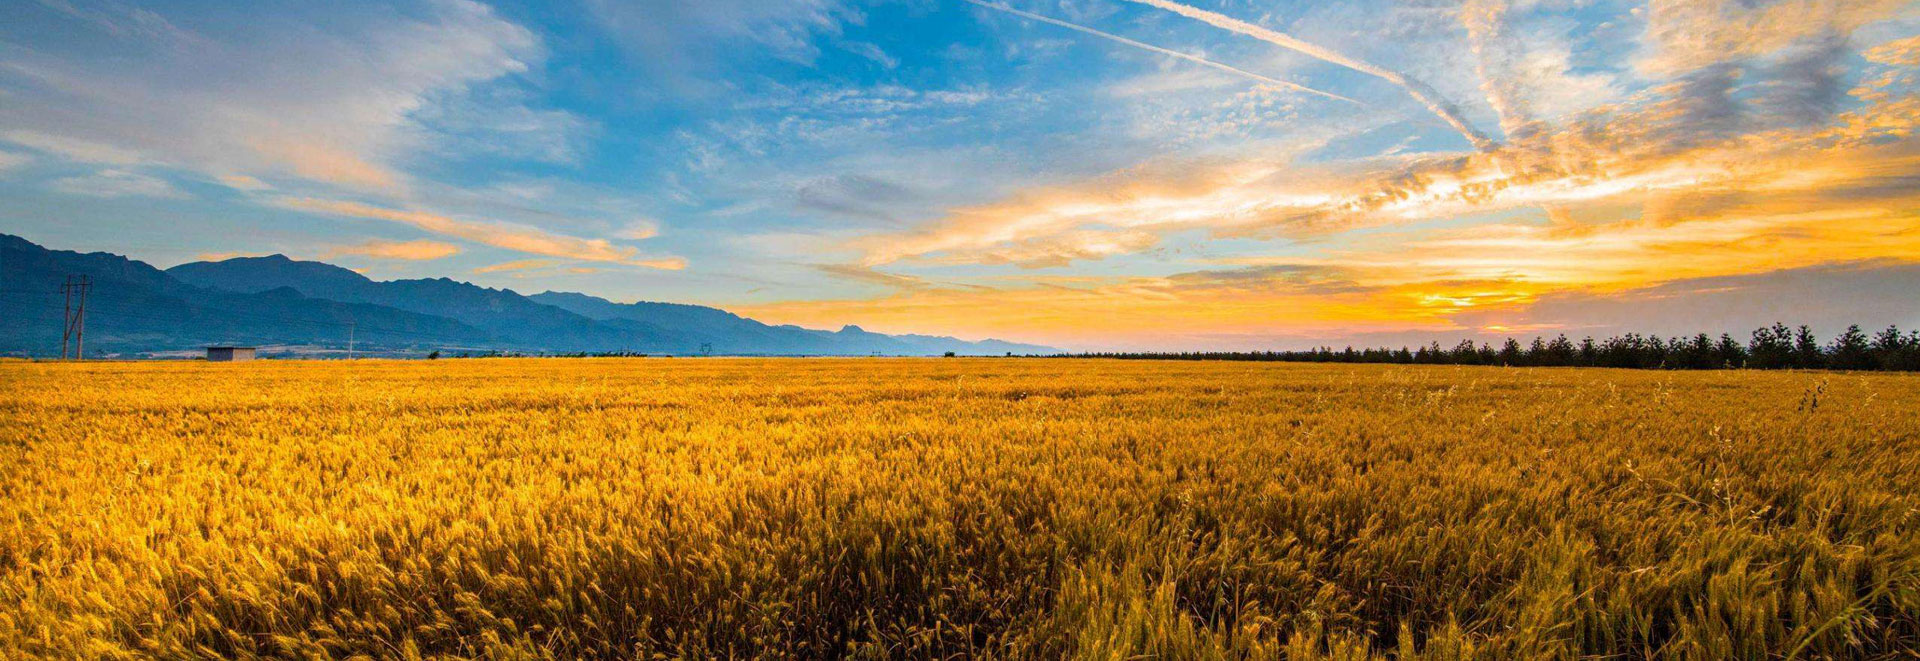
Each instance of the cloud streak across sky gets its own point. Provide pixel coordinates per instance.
(1420, 91)
(1163, 51)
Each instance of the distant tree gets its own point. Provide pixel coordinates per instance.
(1891, 350)
(1560, 352)
(1653, 354)
(1700, 353)
(1771, 348)
(1806, 350)
(1851, 351)
(1729, 354)
(1536, 352)
(1464, 353)
(949, 354)
(434, 355)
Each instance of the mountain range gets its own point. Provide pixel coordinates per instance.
(136, 309)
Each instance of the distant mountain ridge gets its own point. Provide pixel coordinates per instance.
(274, 300)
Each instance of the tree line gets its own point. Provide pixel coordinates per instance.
(1774, 347)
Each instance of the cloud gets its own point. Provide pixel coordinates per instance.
(224, 256)
(1687, 35)
(870, 276)
(402, 250)
(1414, 87)
(125, 22)
(244, 183)
(520, 265)
(662, 263)
(872, 52)
(489, 123)
(639, 230)
(117, 183)
(1067, 247)
(680, 42)
(521, 239)
(75, 149)
(1163, 51)
(341, 104)
(10, 160)
(856, 196)
(1495, 55)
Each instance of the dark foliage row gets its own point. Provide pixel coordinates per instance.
(1777, 347)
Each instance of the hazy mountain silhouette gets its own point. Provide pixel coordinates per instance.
(725, 330)
(135, 307)
(277, 300)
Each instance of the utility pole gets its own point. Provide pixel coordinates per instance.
(74, 326)
(350, 327)
(66, 318)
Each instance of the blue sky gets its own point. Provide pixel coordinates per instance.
(944, 166)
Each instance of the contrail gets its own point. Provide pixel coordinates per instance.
(1494, 56)
(1170, 53)
(1420, 91)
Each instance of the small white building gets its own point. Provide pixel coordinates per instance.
(229, 354)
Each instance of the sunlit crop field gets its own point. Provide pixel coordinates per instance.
(954, 507)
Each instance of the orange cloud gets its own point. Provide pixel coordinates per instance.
(404, 250)
(224, 256)
(520, 239)
(326, 162)
(1690, 34)
(521, 265)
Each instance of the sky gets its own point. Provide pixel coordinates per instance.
(1090, 174)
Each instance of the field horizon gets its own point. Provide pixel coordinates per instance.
(915, 508)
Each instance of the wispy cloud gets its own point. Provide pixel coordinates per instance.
(10, 160)
(341, 106)
(519, 265)
(520, 239)
(871, 276)
(224, 256)
(1420, 91)
(639, 229)
(1163, 51)
(244, 183)
(401, 250)
(872, 52)
(125, 22)
(76, 149)
(117, 183)
(1688, 35)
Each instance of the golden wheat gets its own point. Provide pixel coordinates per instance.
(943, 508)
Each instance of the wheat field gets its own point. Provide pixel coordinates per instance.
(953, 508)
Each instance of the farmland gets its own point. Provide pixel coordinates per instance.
(971, 507)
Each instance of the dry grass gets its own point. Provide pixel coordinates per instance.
(941, 508)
